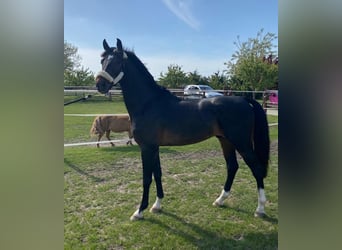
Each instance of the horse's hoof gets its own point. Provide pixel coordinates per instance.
(259, 215)
(217, 204)
(137, 216)
(155, 210)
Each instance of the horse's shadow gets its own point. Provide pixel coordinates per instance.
(204, 238)
(136, 148)
(82, 172)
(240, 210)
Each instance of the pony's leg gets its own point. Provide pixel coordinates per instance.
(149, 157)
(157, 173)
(232, 167)
(98, 139)
(252, 161)
(129, 142)
(130, 136)
(107, 135)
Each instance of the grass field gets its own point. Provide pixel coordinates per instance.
(102, 188)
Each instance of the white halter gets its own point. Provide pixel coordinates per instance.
(108, 77)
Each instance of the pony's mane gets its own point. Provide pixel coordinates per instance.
(142, 68)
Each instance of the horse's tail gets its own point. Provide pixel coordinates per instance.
(96, 127)
(261, 135)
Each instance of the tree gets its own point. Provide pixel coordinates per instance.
(79, 77)
(195, 78)
(71, 59)
(248, 65)
(174, 77)
(74, 73)
(218, 80)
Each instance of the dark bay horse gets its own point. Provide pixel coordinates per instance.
(160, 118)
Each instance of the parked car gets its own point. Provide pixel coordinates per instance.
(200, 91)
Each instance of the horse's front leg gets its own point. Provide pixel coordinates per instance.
(150, 157)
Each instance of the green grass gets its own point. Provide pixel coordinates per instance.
(95, 105)
(102, 188)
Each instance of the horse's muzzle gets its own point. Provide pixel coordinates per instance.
(102, 85)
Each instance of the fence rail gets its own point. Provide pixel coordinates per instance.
(267, 103)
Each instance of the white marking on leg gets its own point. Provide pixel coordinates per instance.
(219, 201)
(137, 215)
(156, 206)
(261, 202)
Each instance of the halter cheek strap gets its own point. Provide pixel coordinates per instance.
(108, 77)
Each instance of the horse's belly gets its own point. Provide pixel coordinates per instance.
(169, 138)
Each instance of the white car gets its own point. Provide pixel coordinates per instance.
(200, 91)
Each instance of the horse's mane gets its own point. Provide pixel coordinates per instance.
(142, 68)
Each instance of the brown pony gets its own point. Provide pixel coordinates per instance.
(116, 123)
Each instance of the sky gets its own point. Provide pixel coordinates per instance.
(194, 34)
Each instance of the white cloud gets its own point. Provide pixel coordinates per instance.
(182, 9)
(90, 58)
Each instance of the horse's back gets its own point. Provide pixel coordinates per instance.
(231, 108)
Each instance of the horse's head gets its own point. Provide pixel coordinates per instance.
(112, 60)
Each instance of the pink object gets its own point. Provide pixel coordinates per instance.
(273, 97)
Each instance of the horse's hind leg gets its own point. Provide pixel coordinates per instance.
(130, 136)
(98, 139)
(107, 135)
(130, 139)
(232, 167)
(252, 161)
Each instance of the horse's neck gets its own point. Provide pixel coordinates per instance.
(138, 92)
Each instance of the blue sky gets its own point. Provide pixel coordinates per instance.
(194, 34)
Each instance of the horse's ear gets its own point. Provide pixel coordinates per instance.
(105, 45)
(119, 44)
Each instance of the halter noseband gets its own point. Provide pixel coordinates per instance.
(108, 77)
